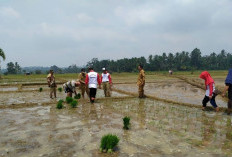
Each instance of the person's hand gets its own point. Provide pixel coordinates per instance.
(210, 97)
(223, 94)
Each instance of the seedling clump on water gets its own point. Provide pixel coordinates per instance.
(60, 89)
(40, 89)
(78, 96)
(108, 142)
(60, 104)
(69, 100)
(126, 123)
(74, 103)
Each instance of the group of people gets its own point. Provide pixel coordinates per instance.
(212, 92)
(88, 83)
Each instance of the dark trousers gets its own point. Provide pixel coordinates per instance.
(212, 101)
(92, 93)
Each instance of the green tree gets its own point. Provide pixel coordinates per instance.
(11, 68)
(2, 55)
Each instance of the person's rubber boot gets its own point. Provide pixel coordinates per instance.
(217, 109)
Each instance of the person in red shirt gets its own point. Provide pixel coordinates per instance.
(210, 88)
(106, 82)
(91, 81)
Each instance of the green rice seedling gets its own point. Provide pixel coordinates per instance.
(59, 105)
(69, 100)
(61, 100)
(108, 142)
(78, 96)
(74, 103)
(60, 89)
(126, 123)
(40, 89)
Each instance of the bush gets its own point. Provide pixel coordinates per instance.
(108, 142)
(74, 103)
(78, 96)
(60, 89)
(69, 100)
(40, 89)
(126, 123)
(60, 104)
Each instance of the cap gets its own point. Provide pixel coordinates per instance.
(103, 69)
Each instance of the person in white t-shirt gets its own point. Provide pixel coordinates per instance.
(106, 82)
(92, 80)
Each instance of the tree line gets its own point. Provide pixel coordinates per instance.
(180, 61)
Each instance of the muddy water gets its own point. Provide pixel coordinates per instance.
(175, 91)
(157, 129)
(15, 98)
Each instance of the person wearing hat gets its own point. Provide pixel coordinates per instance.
(52, 83)
(106, 82)
(70, 87)
(92, 80)
(82, 77)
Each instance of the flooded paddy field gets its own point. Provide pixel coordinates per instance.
(173, 90)
(31, 125)
(157, 129)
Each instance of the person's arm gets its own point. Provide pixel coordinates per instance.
(99, 81)
(81, 79)
(225, 90)
(49, 81)
(210, 90)
(110, 80)
(143, 78)
(87, 79)
(101, 78)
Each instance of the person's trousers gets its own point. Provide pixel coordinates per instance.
(92, 93)
(106, 88)
(141, 91)
(84, 89)
(229, 105)
(212, 101)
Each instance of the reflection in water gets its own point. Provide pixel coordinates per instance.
(141, 113)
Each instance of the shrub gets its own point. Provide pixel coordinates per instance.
(60, 89)
(59, 104)
(78, 96)
(69, 100)
(126, 123)
(108, 142)
(74, 103)
(40, 89)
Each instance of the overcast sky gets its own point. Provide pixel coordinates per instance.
(65, 32)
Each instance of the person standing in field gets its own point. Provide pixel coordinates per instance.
(210, 88)
(106, 82)
(82, 77)
(92, 80)
(228, 87)
(52, 83)
(70, 87)
(141, 81)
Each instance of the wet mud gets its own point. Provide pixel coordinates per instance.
(157, 129)
(180, 91)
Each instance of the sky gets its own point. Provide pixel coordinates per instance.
(66, 32)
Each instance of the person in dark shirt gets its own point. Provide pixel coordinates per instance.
(228, 87)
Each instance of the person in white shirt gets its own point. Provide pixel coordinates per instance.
(106, 82)
(92, 80)
(70, 87)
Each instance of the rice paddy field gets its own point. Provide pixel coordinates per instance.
(168, 122)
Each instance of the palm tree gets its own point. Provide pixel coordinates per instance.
(2, 54)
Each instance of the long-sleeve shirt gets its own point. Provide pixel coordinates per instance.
(210, 88)
(92, 79)
(106, 78)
